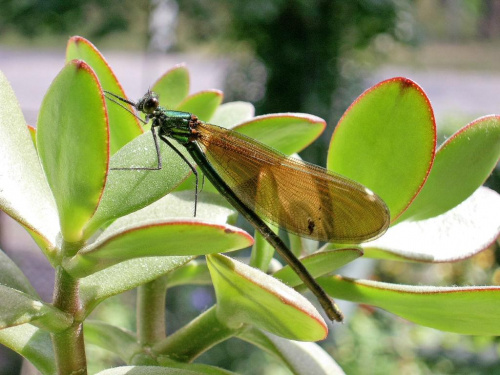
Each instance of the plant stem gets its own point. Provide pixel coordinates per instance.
(69, 348)
(195, 338)
(151, 311)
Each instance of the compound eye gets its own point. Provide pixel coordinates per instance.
(150, 105)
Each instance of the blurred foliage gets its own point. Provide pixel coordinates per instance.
(376, 343)
(34, 18)
(301, 43)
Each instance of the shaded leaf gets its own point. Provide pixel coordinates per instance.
(13, 277)
(20, 308)
(125, 276)
(117, 340)
(194, 273)
(33, 344)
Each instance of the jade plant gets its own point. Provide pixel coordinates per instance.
(109, 231)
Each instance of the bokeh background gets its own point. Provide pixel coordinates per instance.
(313, 56)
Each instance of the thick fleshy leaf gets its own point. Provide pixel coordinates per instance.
(461, 165)
(302, 358)
(19, 308)
(195, 338)
(13, 277)
(173, 86)
(123, 127)
(194, 273)
(210, 207)
(202, 104)
(168, 238)
(285, 132)
(72, 140)
(465, 310)
(386, 141)
(262, 251)
(457, 234)
(125, 276)
(230, 114)
(164, 228)
(24, 192)
(319, 264)
(117, 340)
(32, 343)
(130, 190)
(247, 295)
(147, 370)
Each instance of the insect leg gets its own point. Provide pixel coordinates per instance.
(192, 167)
(158, 155)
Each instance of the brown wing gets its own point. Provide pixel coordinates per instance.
(300, 197)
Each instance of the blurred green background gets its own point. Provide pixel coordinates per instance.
(313, 56)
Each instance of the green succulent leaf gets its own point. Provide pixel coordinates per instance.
(262, 251)
(72, 140)
(203, 104)
(125, 276)
(386, 141)
(319, 264)
(164, 228)
(461, 165)
(463, 231)
(160, 218)
(246, 295)
(193, 273)
(19, 308)
(13, 277)
(123, 127)
(32, 343)
(465, 310)
(168, 238)
(24, 192)
(117, 340)
(230, 114)
(127, 191)
(285, 132)
(302, 358)
(173, 86)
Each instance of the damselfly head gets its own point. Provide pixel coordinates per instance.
(148, 103)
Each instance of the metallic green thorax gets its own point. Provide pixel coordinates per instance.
(174, 124)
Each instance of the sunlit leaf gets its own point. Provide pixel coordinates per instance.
(247, 295)
(386, 141)
(466, 310)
